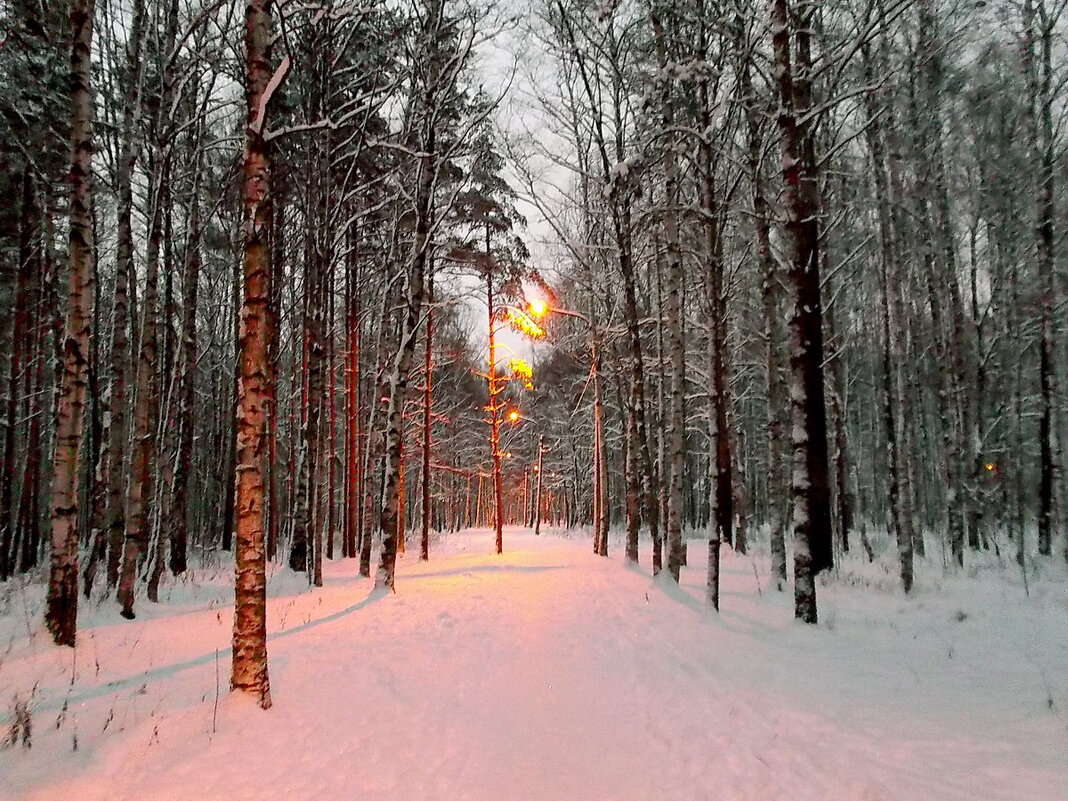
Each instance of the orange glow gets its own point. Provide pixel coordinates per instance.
(513, 415)
(990, 467)
(521, 372)
(522, 323)
(538, 307)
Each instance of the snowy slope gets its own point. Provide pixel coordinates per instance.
(550, 674)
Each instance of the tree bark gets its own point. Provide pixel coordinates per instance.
(672, 311)
(721, 496)
(811, 493)
(600, 461)
(186, 389)
(495, 421)
(140, 486)
(19, 344)
(1039, 71)
(389, 517)
(428, 399)
(249, 664)
(61, 614)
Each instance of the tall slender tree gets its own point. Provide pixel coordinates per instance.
(248, 671)
(61, 614)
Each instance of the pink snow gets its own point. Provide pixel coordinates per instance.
(551, 674)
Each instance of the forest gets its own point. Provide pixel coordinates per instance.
(287, 284)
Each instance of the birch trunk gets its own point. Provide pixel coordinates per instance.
(811, 494)
(248, 671)
(61, 614)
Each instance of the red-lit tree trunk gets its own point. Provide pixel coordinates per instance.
(248, 671)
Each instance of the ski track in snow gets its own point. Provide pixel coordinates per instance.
(550, 674)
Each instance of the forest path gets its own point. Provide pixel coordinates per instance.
(550, 674)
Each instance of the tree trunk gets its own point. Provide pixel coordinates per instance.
(1039, 71)
(770, 291)
(61, 614)
(389, 517)
(495, 424)
(600, 461)
(249, 666)
(140, 488)
(721, 496)
(19, 348)
(428, 399)
(811, 494)
(187, 390)
(672, 311)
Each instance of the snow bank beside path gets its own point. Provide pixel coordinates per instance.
(550, 674)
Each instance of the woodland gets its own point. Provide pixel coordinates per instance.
(294, 283)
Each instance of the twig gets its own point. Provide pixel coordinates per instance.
(215, 709)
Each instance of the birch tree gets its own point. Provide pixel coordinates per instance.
(249, 665)
(61, 614)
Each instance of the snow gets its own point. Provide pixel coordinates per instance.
(550, 673)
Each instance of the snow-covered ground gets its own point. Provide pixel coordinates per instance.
(552, 674)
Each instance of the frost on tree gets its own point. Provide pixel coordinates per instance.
(800, 228)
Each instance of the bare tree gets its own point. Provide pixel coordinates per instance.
(249, 667)
(61, 614)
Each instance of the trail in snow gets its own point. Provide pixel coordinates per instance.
(551, 674)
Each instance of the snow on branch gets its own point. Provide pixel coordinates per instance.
(256, 126)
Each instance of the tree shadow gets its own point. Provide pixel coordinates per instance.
(168, 671)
